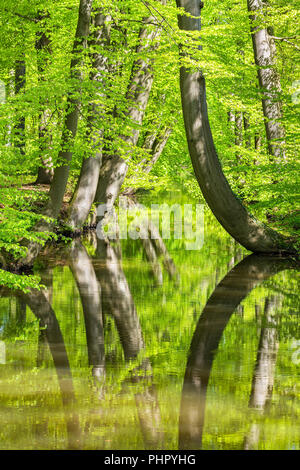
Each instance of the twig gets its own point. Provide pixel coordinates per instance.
(160, 23)
(25, 17)
(276, 38)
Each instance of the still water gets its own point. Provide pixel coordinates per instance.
(192, 349)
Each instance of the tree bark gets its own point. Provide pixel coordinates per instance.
(226, 207)
(238, 131)
(61, 172)
(114, 168)
(20, 82)
(264, 53)
(44, 51)
(85, 192)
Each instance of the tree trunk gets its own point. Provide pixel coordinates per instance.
(264, 53)
(157, 149)
(114, 168)
(43, 49)
(226, 207)
(85, 192)
(238, 131)
(61, 172)
(20, 81)
(246, 131)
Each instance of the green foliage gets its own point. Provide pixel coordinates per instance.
(34, 415)
(17, 281)
(227, 61)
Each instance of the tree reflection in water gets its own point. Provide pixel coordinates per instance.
(104, 291)
(227, 296)
(38, 303)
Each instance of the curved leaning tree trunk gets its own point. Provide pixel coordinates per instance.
(227, 208)
(264, 53)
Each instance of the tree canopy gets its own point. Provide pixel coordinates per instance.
(46, 75)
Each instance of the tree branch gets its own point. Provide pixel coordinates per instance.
(25, 17)
(276, 38)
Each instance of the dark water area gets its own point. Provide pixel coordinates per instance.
(123, 349)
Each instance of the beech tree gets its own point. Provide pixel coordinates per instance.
(114, 168)
(265, 58)
(105, 111)
(227, 208)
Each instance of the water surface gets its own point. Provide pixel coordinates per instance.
(194, 350)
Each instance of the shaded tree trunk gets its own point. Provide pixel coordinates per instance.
(264, 53)
(238, 131)
(157, 148)
(226, 207)
(20, 82)
(61, 172)
(154, 144)
(246, 131)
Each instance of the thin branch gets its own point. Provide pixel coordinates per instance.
(147, 4)
(160, 23)
(276, 38)
(25, 17)
(139, 22)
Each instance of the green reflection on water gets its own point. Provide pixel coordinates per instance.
(165, 381)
